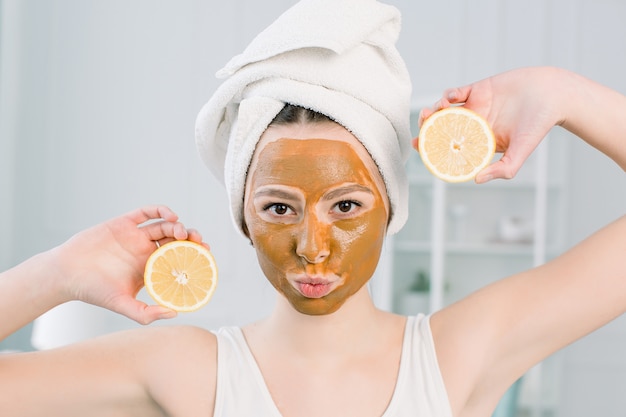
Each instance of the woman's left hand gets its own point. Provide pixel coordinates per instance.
(520, 105)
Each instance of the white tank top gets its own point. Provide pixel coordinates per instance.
(419, 391)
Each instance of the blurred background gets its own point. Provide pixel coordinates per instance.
(97, 107)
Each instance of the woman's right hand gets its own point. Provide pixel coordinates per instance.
(104, 265)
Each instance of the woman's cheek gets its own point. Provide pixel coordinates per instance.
(362, 239)
(275, 256)
(372, 225)
(272, 241)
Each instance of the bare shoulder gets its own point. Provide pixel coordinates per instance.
(175, 366)
(182, 333)
(150, 371)
(150, 343)
(180, 367)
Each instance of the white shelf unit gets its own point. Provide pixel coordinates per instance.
(464, 236)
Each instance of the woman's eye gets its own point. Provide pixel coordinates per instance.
(347, 206)
(278, 209)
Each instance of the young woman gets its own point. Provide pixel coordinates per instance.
(325, 349)
(316, 200)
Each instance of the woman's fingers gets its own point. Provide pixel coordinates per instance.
(163, 232)
(450, 96)
(147, 213)
(515, 155)
(140, 311)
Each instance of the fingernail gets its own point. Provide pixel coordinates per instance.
(484, 178)
(452, 95)
(167, 314)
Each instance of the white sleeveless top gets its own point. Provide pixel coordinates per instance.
(419, 391)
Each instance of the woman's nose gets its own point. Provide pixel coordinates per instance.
(313, 241)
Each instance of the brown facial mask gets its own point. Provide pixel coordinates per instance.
(316, 216)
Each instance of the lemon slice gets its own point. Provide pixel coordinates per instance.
(455, 144)
(181, 275)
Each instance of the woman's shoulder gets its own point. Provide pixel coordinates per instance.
(187, 332)
(162, 338)
(185, 357)
(183, 343)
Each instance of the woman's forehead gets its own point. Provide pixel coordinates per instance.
(303, 161)
(299, 137)
(326, 130)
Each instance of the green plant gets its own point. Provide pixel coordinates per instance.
(421, 283)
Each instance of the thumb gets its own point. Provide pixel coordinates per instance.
(510, 163)
(504, 168)
(141, 312)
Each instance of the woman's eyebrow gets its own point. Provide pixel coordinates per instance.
(338, 192)
(275, 192)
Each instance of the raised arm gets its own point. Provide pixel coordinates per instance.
(102, 265)
(489, 339)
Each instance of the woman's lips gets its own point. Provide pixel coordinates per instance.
(314, 287)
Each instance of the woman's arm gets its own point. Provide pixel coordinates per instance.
(155, 371)
(128, 373)
(492, 337)
(102, 265)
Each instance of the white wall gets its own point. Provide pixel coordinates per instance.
(97, 107)
(103, 113)
(9, 74)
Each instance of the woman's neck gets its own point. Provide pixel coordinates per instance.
(349, 330)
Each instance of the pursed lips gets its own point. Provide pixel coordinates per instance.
(314, 286)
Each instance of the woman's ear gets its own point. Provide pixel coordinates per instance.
(244, 227)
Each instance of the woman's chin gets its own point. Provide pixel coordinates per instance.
(316, 306)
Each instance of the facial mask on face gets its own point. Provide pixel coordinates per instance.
(318, 232)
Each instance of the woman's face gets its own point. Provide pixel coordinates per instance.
(316, 211)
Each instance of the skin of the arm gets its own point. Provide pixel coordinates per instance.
(161, 371)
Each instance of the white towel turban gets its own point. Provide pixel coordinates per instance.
(336, 57)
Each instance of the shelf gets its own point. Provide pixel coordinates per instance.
(424, 181)
(524, 249)
(421, 247)
(488, 248)
(462, 234)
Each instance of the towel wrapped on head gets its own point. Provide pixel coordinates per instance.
(336, 57)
